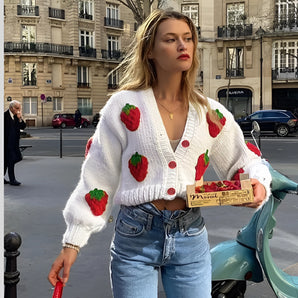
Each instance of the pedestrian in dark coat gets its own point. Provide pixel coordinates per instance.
(13, 123)
(78, 118)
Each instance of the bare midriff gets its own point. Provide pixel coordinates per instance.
(176, 204)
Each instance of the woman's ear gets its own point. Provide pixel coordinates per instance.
(150, 55)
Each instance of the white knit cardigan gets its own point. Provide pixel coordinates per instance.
(106, 165)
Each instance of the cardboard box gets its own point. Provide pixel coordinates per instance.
(219, 198)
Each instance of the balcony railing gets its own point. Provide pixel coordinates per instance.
(86, 16)
(111, 55)
(286, 24)
(234, 31)
(28, 10)
(286, 73)
(38, 47)
(56, 13)
(83, 85)
(115, 23)
(113, 86)
(235, 72)
(87, 52)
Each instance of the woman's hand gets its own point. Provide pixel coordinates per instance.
(259, 193)
(65, 260)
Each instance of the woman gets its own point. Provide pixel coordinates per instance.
(146, 149)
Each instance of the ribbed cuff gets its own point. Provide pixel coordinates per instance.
(76, 235)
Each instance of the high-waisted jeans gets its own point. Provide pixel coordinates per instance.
(148, 240)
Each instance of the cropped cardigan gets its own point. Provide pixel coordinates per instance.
(131, 161)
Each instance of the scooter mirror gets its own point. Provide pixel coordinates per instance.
(256, 128)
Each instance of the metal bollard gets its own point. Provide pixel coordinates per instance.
(12, 241)
(60, 142)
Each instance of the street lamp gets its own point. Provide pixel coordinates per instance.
(260, 32)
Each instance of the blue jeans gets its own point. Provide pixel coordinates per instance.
(148, 240)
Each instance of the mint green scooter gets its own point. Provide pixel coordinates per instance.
(248, 256)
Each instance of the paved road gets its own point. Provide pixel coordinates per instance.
(34, 211)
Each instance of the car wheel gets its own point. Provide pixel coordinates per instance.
(63, 125)
(85, 124)
(282, 130)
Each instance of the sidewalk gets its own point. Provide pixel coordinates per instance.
(34, 210)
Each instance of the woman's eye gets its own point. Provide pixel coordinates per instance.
(189, 39)
(171, 40)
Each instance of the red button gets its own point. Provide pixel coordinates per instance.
(172, 164)
(185, 143)
(171, 191)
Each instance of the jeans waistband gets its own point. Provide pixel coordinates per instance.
(149, 213)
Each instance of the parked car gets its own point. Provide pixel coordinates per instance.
(281, 122)
(95, 119)
(67, 119)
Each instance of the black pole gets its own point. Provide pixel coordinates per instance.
(12, 241)
(261, 72)
(60, 142)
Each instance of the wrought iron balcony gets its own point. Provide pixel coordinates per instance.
(115, 23)
(27, 10)
(86, 16)
(113, 86)
(235, 72)
(56, 13)
(282, 24)
(286, 73)
(234, 31)
(111, 55)
(87, 51)
(38, 47)
(83, 85)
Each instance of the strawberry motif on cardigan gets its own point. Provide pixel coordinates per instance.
(214, 129)
(253, 148)
(237, 174)
(88, 145)
(202, 165)
(138, 166)
(97, 200)
(130, 116)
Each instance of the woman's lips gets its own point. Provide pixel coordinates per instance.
(184, 57)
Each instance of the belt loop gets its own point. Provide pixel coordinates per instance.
(149, 222)
(181, 225)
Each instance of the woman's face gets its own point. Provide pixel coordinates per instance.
(173, 47)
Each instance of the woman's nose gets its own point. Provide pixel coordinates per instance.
(181, 45)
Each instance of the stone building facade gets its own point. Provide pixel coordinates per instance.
(58, 55)
(248, 50)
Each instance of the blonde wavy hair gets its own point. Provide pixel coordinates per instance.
(137, 69)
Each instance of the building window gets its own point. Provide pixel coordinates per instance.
(86, 39)
(112, 11)
(83, 76)
(30, 106)
(235, 62)
(113, 43)
(28, 34)
(86, 9)
(286, 15)
(57, 104)
(28, 2)
(85, 106)
(113, 80)
(192, 11)
(235, 13)
(29, 74)
(285, 61)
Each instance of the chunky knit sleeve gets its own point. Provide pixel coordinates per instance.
(230, 154)
(90, 204)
